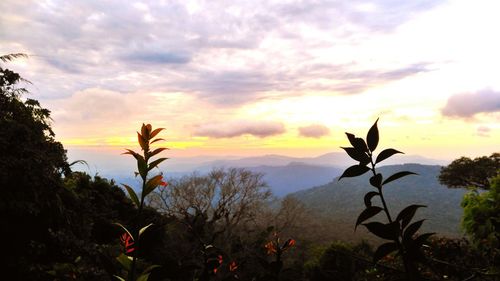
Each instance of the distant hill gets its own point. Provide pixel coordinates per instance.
(295, 176)
(342, 201)
(333, 159)
(281, 179)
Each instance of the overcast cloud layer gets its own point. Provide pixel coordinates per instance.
(283, 69)
(206, 48)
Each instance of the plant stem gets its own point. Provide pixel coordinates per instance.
(136, 232)
(386, 209)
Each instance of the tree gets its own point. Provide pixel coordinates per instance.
(31, 165)
(465, 172)
(226, 198)
(481, 220)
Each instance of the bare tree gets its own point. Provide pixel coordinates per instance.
(226, 198)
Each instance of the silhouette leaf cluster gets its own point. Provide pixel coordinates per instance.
(401, 231)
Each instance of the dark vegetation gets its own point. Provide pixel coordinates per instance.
(63, 225)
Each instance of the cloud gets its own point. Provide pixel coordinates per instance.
(468, 104)
(483, 131)
(93, 105)
(232, 129)
(189, 46)
(348, 79)
(314, 131)
(228, 87)
(378, 15)
(158, 57)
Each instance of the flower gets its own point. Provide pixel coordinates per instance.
(233, 266)
(288, 244)
(127, 242)
(219, 260)
(270, 247)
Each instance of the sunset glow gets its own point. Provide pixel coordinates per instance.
(263, 77)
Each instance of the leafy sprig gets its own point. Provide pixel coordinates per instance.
(401, 231)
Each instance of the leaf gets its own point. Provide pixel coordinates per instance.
(412, 229)
(397, 176)
(358, 143)
(407, 214)
(158, 139)
(152, 183)
(132, 195)
(143, 277)
(150, 268)
(386, 153)
(133, 153)
(421, 239)
(351, 138)
(156, 151)
(142, 142)
(125, 261)
(354, 171)
(376, 180)
(144, 229)
(353, 153)
(124, 228)
(156, 163)
(372, 137)
(142, 167)
(368, 198)
(10, 57)
(119, 278)
(366, 214)
(383, 250)
(155, 132)
(388, 231)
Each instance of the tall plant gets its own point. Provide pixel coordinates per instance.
(145, 163)
(399, 231)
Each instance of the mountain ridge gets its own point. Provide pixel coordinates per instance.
(343, 200)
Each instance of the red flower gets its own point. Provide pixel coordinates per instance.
(288, 244)
(270, 247)
(127, 242)
(233, 266)
(161, 182)
(219, 260)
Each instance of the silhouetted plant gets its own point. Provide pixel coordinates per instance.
(131, 241)
(276, 249)
(400, 231)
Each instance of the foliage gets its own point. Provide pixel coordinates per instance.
(276, 249)
(30, 166)
(401, 231)
(465, 172)
(481, 220)
(131, 239)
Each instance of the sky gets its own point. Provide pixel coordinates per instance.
(262, 77)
